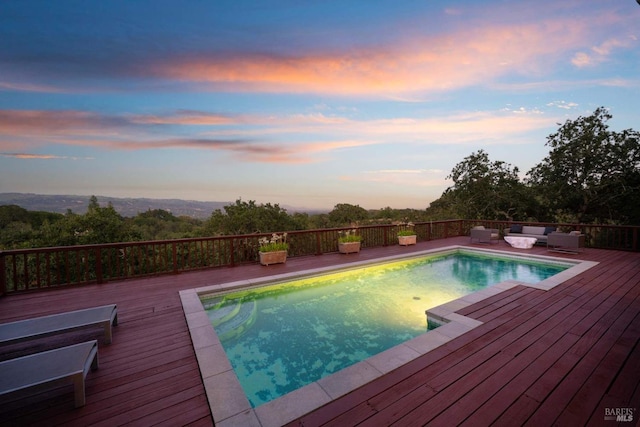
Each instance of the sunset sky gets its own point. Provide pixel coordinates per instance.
(305, 104)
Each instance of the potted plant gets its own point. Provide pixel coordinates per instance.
(273, 250)
(407, 236)
(349, 242)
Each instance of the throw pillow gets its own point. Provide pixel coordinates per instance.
(516, 228)
(549, 230)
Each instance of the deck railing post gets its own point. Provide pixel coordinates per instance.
(174, 254)
(318, 245)
(232, 252)
(99, 265)
(3, 275)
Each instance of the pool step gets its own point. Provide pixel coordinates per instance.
(232, 326)
(220, 313)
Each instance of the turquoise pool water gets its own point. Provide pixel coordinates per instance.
(281, 337)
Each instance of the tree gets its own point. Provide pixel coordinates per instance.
(591, 174)
(248, 217)
(344, 214)
(484, 189)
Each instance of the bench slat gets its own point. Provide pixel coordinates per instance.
(65, 365)
(23, 330)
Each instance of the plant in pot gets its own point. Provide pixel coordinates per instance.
(273, 250)
(407, 236)
(349, 242)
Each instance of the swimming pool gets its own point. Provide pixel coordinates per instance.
(226, 396)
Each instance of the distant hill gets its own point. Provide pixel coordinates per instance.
(124, 206)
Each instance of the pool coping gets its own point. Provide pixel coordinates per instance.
(227, 401)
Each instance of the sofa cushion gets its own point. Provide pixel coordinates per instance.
(528, 229)
(515, 228)
(549, 230)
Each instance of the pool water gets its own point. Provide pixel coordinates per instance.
(282, 337)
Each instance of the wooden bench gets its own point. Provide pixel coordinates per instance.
(49, 369)
(23, 330)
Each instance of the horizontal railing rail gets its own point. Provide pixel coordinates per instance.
(26, 270)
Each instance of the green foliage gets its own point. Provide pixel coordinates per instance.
(407, 230)
(277, 242)
(349, 236)
(248, 217)
(344, 214)
(389, 215)
(591, 174)
(158, 224)
(276, 246)
(487, 190)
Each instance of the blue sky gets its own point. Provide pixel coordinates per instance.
(305, 104)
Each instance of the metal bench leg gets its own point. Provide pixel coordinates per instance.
(78, 389)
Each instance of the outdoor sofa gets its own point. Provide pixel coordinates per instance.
(540, 233)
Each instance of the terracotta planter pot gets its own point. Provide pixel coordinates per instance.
(275, 257)
(407, 240)
(349, 247)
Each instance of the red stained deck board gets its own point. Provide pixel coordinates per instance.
(494, 301)
(504, 392)
(591, 392)
(501, 306)
(587, 355)
(151, 321)
(455, 403)
(625, 383)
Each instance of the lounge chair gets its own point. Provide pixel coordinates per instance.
(572, 242)
(24, 330)
(484, 235)
(49, 369)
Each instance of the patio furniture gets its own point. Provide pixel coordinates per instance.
(484, 235)
(566, 242)
(540, 233)
(23, 330)
(521, 242)
(50, 369)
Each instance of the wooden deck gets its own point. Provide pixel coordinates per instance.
(540, 357)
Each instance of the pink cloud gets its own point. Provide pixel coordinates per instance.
(467, 57)
(30, 156)
(602, 52)
(269, 139)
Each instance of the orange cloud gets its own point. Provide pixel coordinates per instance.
(30, 156)
(185, 117)
(452, 61)
(602, 52)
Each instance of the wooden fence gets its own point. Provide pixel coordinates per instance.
(27, 270)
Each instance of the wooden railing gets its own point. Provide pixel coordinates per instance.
(26, 270)
(615, 237)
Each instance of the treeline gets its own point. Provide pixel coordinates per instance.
(20, 228)
(591, 175)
